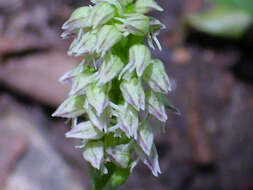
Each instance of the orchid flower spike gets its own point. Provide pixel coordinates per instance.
(117, 87)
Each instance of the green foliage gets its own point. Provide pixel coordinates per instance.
(229, 18)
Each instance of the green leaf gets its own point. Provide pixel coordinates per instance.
(224, 22)
(238, 4)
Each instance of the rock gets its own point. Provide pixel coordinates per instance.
(41, 167)
(37, 76)
(10, 150)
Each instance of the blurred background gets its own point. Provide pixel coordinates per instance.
(207, 49)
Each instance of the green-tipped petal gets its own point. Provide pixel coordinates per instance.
(120, 155)
(101, 14)
(157, 78)
(128, 121)
(79, 14)
(70, 108)
(98, 121)
(97, 97)
(146, 137)
(150, 160)
(133, 93)
(110, 68)
(140, 57)
(94, 153)
(145, 6)
(136, 24)
(84, 130)
(107, 37)
(82, 81)
(85, 45)
(155, 107)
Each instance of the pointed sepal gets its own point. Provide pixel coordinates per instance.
(97, 96)
(155, 106)
(157, 78)
(145, 6)
(70, 108)
(94, 153)
(133, 93)
(84, 130)
(146, 137)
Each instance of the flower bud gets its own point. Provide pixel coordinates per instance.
(120, 155)
(98, 121)
(94, 153)
(146, 137)
(140, 57)
(133, 93)
(156, 77)
(84, 130)
(128, 120)
(82, 81)
(150, 160)
(136, 24)
(155, 107)
(97, 97)
(79, 19)
(110, 68)
(145, 6)
(84, 46)
(107, 37)
(69, 76)
(70, 108)
(101, 13)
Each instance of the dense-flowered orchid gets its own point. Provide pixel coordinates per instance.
(116, 87)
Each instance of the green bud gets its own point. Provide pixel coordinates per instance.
(101, 14)
(85, 45)
(120, 155)
(69, 76)
(82, 81)
(84, 130)
(107, 37)
(94, 153)
(145, 6)
(155, 107)
(78, 18)
(98, 121)
(146, 137)
(136, 24)
(97, 97)
(140, 57)
(70, 108)
(156, 77)
(128, 120)
(110, 68)
(150, 160)
(133, 93)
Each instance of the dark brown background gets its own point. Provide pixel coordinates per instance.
(208, 147)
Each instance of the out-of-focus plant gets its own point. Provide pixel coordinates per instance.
(118, 86)
(228, 18)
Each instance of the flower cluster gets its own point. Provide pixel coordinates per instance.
(117, 86)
